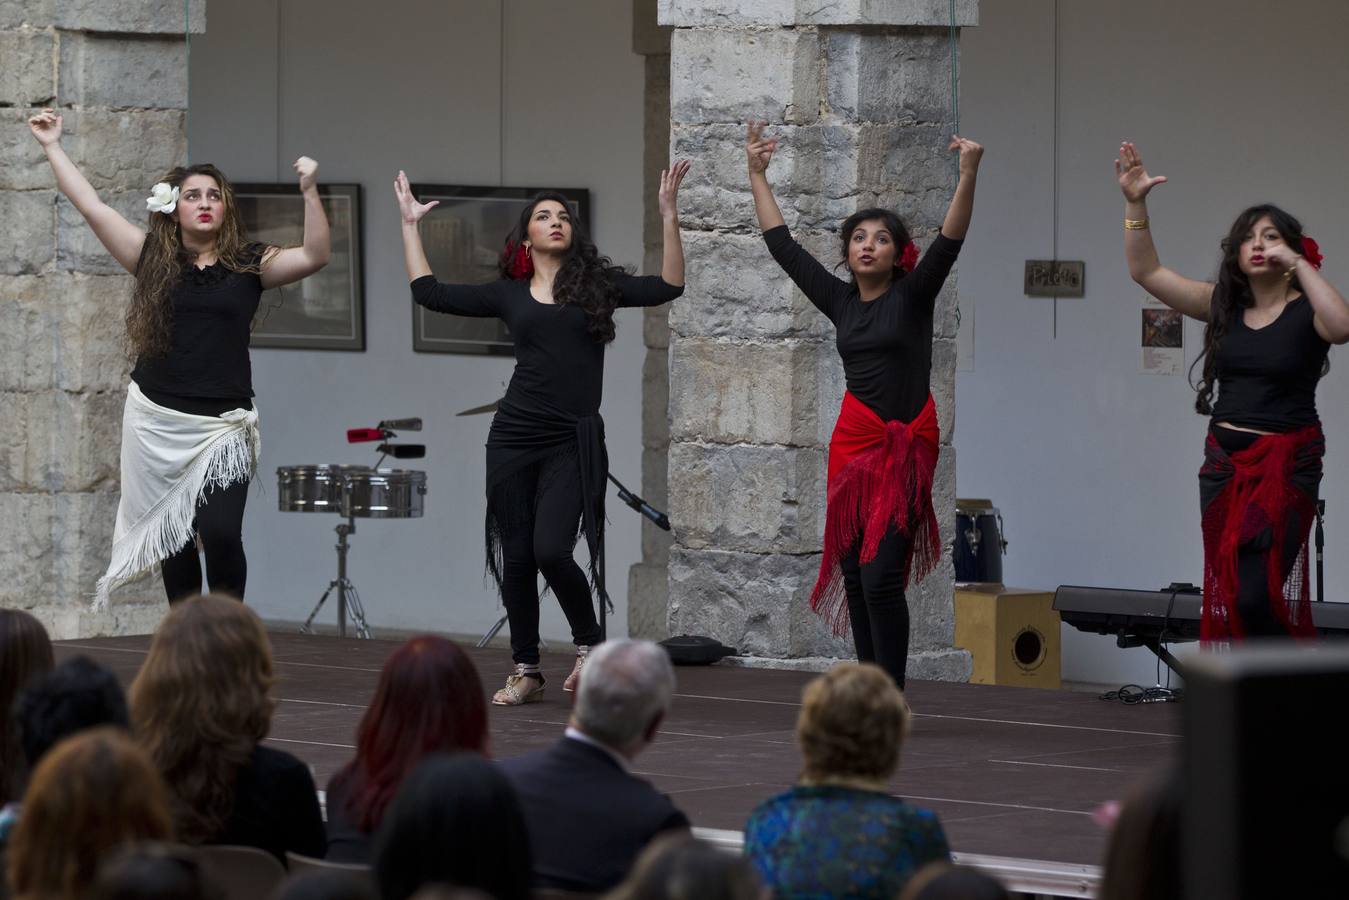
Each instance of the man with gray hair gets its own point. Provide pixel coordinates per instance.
(588, 815)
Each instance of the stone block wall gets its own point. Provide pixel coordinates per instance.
(859, 92)
(117, 73)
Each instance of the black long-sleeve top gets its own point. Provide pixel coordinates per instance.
(559, 367)
(885, 343)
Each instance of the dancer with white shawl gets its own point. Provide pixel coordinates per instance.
(189, 430)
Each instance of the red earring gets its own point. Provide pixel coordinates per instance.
(520, 263)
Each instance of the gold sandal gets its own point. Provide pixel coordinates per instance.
(570, 684)
(514, 694)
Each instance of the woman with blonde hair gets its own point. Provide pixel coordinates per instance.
(201, 706)
(92, 793)
(840, 832)
(189, 430)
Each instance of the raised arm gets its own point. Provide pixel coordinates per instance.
(760, 151)
(293, 263)
(672, 248)
(478, 300)
(1330, 311)
(411, 212)
(121, 238)
(957, 222)
(1193, 298)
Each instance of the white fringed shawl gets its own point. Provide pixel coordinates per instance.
(169, 459)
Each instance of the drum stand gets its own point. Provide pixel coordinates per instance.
(347, 595)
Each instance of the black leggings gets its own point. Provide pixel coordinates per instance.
(544, 543)
(219, 524)
(877, 607)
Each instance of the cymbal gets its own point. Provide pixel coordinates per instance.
(479, 410)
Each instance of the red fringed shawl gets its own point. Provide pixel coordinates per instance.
(880, 475)
(1244, 494)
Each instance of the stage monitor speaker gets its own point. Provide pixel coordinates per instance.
(1266, 806)
(1012, 635)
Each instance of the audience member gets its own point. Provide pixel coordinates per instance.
(154, 871)
(454, 821)
(429, 699)
(1143, 856)
(76, 695)
(940, 881)
(200, 706)
(589, 817)
(90, 794)
(677, 867)
(25, 651)
(839, 832)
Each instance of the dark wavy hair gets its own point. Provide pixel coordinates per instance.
(429, 699)
(584, 279)
(893, 224)
(1232, 294)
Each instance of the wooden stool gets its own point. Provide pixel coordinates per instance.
(1012, 635)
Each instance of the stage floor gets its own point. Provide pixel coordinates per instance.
(1012, 772)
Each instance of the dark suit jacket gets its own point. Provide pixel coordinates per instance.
(588, 818)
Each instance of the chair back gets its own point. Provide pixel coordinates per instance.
(243, 873)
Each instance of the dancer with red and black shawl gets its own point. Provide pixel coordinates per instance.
(880, 528)
(1270, 319)
(546, 460)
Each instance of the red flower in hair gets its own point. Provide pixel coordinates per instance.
(518, 263)
(1312, 252)
(909, 258)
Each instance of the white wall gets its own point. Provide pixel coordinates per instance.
(366, 89)
(1092, 463)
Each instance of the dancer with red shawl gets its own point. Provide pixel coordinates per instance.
(880, 528)
(1270, 319)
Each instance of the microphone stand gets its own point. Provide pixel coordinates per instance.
(1320, 551)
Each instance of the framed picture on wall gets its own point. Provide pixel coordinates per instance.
(463, 237)
(325, 311)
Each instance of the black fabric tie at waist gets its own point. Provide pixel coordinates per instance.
(593, 459)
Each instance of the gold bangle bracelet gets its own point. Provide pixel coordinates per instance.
(1135, 224)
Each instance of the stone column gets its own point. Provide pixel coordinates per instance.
(860, 92)
(118, 74)
(648, 580)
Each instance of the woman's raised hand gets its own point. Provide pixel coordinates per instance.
(408, 207)
(1134, 180)
(46, 127)
(668, 197)
(307, 169)
(970, 153)
(757, 147)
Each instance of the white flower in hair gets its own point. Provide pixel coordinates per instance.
(162, 199)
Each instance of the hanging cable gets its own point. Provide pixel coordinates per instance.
(187, 67)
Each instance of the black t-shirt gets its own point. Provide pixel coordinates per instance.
(276, 807)
(213, 309)
(885, 343)
(559, 367)
(1267, 377)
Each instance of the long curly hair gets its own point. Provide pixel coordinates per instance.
(201, 703)
(149, 318)
(1232, 293)
(584, 279)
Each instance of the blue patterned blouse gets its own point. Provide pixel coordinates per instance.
(828, 841)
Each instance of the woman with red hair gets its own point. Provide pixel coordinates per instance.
(429, 699)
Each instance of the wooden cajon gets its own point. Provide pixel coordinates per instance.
(1012, 635)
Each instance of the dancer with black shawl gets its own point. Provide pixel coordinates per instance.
(1270, 319)
(546, 460)
(880, 528)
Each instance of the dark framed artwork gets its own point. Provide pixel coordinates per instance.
(463, 237)
(325, 311)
